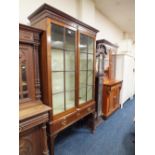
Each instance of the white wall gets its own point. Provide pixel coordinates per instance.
(26, 7)
(107, 29)
(84, 10)
(124, 71)
(87, 12)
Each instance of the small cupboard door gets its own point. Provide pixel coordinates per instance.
(86, 68)
(63, 49)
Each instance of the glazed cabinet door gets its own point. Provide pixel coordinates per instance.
(86, 68)
(26, 77)
(63, 50)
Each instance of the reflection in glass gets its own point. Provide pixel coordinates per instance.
(90, 77)
(24, 87)
(70, 99)
(90, 45)
(25, 95)
(83, 61)
(83, 43)
(70, 39)
(90, 61)
(57, 60)
(57, 82)
(58, 103)
(89, 93)
(57, 36)
(70, 61)
(82, 95)
(23, 67)
(83, 76)
(70, 81)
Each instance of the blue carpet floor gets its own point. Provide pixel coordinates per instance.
(114, 136)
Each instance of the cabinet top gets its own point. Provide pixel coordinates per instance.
(29, 28)
(49, 11)
(106, 42)
(112, 82)
(32, 109)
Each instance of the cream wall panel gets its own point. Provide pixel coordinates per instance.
(87, 12)
(124, 71)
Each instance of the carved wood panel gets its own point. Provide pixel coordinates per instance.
(30, 143)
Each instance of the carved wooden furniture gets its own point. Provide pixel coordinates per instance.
(33, 114)
(111, 87)
(100, 54)
(67, 66)
(111, 97)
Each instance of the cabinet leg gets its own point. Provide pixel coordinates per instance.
(92, 122)
(52, 141)
(44, 137)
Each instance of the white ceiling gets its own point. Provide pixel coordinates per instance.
(120, 12)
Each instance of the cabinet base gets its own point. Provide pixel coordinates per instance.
(105, 116)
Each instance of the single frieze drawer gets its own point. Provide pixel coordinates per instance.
(63, 122)
(85, 111)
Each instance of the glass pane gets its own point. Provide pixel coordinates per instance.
(25, 95)
(83, 61)
(23, 66)
(90, 45)
(70, 61)
(90, 78)
(57, 36)
(90, 62)
(58, 103)
(57, 60)
(82, 95)
(70, 39)
(83, 43)
(58, 82)
(70, 99)
(89, 93)
(70, 81)
(83, 75)
(24, 87)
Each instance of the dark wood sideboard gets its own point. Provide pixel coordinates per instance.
(33, 114)
(111, 86)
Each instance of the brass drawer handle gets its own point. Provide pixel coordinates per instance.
(89, 109)
(78, 114)
(64, 122)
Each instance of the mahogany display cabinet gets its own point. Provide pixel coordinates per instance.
(67, 68)
(33, 114)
